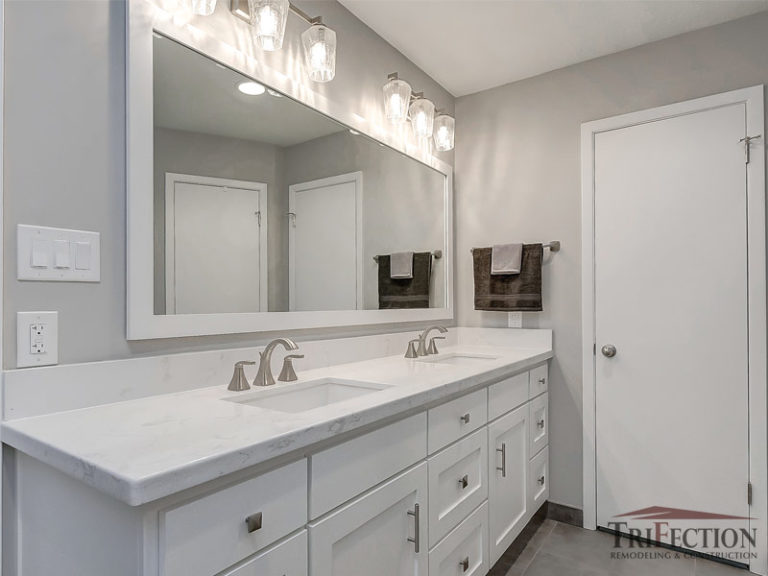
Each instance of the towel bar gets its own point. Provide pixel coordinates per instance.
(437, 254)
(553, 246)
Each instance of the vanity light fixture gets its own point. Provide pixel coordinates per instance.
(251, 88)
(268, 17)
(401, 104)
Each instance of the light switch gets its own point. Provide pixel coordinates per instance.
(82, 255)
(40, 251)
(61, 254)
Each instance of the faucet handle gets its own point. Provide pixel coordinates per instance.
(432, 346)
(411, 352)
(288, 374)
(239, 381)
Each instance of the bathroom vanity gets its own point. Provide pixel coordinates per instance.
(404, 466)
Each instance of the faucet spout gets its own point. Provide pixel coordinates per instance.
(264, 376)
(422, 350)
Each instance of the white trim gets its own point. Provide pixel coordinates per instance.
(2, 252)
(756, 268)
(141, 323)
(170, 227)
(357, 178)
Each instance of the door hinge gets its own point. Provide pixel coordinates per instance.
(749, 493)
(748, 145)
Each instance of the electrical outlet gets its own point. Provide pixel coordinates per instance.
(37, 339)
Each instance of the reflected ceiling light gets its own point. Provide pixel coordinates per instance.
(397, 98)
(251, 88)
(203, 7)
(268, 18)
(274, 93)
(354, 132)
(445, 127)
(422, 112)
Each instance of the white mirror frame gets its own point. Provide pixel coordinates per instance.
(143, 18)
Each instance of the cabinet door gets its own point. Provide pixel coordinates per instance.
(464, 552)
(382, 533)
(508, 485)
(538, 480)
(288, 558)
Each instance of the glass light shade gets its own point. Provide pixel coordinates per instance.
(397, 97)
(203, 7)
(268, 18)
(422, 113)
(320, 52)
(445, 127)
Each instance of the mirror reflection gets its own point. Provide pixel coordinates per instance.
(264, 204)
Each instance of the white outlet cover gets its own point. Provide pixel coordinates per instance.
(49, 339)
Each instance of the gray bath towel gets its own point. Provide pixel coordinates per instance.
(506, 259)
(401, 265)
(509, 293)
(405, 293)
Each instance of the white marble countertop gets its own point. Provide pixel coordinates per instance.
(140, 450)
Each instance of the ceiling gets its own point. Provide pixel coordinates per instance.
(196, 94)
(473, 45)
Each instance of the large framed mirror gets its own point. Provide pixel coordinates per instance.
(250, 210)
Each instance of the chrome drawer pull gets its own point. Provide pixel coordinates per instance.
(540, 424)
(416, 536)
(541, 480)
(253, 522)
(465, 419)
(464, 564)
(503, 468)
(464, 481)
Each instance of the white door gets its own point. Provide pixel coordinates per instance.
(325, 244)
(383, 533)
(670, 257)
(215, 245)
(508, 473)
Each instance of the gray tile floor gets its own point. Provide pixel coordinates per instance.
(563, 550)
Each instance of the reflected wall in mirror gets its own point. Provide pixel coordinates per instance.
(264, 204)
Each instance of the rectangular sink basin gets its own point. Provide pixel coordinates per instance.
(457, 359)
(307, 395)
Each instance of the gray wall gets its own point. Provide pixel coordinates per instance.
(517, 177)
(64, 153)
(403, 207)
(220, 157)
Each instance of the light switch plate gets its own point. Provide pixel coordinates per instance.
(515, 319)
(37, 339)
(57, 254)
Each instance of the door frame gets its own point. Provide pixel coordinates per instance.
(756, 299)
(171, 179)
(357, 178)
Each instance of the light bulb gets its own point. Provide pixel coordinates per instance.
(319, 43)
(268, 18)
(397, 95)
(422, 117)
(445, 127)
(203, 7)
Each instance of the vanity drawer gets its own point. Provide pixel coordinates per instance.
(288, 558)
(507, 395)
(538, 481)
(452, 420)
(458, 483)
(539, 380)
(464, 552)
(205, 536)
(539, 423)
(344, 471)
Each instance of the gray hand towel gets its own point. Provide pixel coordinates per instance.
(511, 292)
(405, 293)
(401, 265)
(506, 259)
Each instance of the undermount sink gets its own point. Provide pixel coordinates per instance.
(457, 359)
(307, 395)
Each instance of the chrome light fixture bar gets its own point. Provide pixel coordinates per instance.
(269, 17)
(401, 103)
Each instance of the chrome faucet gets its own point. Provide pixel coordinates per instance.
(264, 375)
(422, 350)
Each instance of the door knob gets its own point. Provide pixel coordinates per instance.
(609, 350)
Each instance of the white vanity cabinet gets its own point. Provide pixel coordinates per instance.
(382, 533)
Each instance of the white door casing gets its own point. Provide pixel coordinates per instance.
(215, 249)
(698, 243)
(325, 244)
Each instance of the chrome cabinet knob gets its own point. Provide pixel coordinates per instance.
(609, 350)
